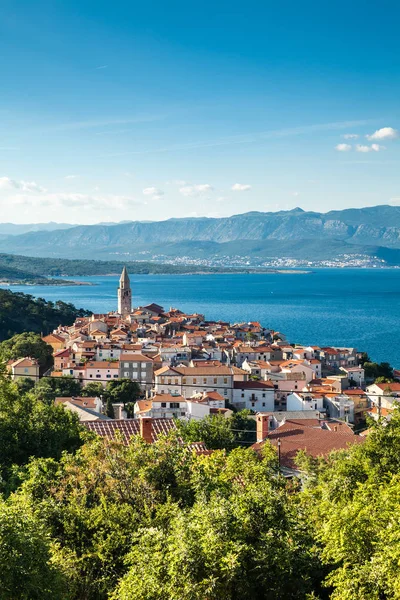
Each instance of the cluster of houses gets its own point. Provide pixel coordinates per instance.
(190, 367)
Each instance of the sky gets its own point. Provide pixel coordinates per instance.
(124, 110)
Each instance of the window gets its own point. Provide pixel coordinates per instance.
(134, 374)
(115, 376)
(174, 404)
(134, 365)
(225, 392)
(184, 380)
(215, 380)
(98, 376)
(225, 380)
(263, 395)
(242, 395)
(263, 403)
(126, 365)
(163, 405)
(126, 374)
(205, 380)
(108, 376)
(194, 380)
(176, 382)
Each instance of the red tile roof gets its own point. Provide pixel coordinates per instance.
(130, 427)
(311, 437)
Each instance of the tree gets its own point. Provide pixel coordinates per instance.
(26, 568)
(30, 427)
(93, 389)
(25, 384)
(49, 388)
(352, 499)
(242, 541)
(374, 370)
(22, 312)
(123, 390)
(220, 432)
(27, 344)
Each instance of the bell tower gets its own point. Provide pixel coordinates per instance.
(124, 294)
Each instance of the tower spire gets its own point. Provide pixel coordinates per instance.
(124, 294)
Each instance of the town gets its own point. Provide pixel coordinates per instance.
(302, 398)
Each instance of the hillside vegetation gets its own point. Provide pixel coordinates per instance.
(37, 267)
(22, 312)
(158, 522)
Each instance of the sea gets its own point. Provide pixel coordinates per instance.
(338, 307)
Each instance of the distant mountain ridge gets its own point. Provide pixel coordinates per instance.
(351, 230)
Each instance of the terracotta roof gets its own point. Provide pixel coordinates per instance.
(131, 427)
(394, 387)
(253, 385)
(132, 357)
(311, 437)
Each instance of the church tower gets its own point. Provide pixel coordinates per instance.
(124, 294)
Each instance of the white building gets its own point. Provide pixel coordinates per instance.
(258, 396)
(304, 401)
(355, 375)
(188, 381)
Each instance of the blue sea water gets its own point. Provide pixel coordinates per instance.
(341, 307)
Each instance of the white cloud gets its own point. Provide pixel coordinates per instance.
(295, 194)
(371, 148)
(102, 67)
(386, 133)
(240, 187)
(74, 201)
(196, 190)
(30, 194)
(154, 192)
(351, 136)
(70, 176)
(25, 186)
(343, 147)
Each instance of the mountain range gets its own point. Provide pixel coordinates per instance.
(298, 234)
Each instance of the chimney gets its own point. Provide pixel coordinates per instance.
(146, 427)
(262, 427)
(118, 410)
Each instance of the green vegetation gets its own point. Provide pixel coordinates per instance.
(22, 312)
(381, 371)
(83, 517)
(30, 427)
(27, 344)
(217, 431)
(32, 269)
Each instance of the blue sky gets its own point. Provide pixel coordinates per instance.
(121, 110)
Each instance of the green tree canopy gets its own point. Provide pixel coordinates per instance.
(27, 344)
(27, 571)
(22, 312)
(30, 427)
(218, 431)
(49, 388)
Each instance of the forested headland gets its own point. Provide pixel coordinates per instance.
(22, 312)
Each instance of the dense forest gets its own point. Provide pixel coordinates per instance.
(82, 517)
(26, 266)
(22, 312)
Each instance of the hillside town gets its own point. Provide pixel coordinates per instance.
(301, 397)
